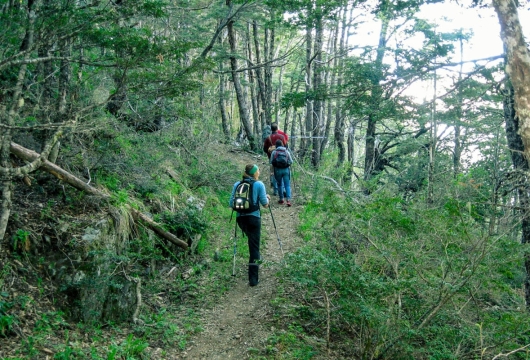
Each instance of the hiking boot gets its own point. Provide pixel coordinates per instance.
(289, 203)
(280, 202)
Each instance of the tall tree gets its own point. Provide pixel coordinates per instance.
(370, 156)
(517, 111)
(520, 165)
(240, 95)
(517, 66)
(318, 105)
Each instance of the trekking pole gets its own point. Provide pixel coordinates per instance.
(235, 247)
(277, 236)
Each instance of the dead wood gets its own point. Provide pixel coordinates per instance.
(61, 174)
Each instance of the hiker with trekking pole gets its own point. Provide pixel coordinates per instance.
(247, 196)
(281, 161)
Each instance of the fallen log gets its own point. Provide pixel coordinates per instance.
(61, 174)
(158, 229)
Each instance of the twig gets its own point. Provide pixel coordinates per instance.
(321, 176)
(328, 320)
(138, 300)
(511, 352)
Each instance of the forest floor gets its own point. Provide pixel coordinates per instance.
(242, 320)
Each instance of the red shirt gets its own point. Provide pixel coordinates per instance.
(271, 140)
(285, 136)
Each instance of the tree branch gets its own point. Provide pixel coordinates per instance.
(61, 174)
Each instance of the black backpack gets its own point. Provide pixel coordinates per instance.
(280, 159)
(243, 197)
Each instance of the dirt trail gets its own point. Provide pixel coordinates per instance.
(241, 322)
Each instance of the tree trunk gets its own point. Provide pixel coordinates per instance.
(518, 69)
(6, 175)
(277, 97)
(222, 106)
(432, 145)
(520, 164)
(225, 123)
(304, 145)
(291, 109)
(259, 75)
(317, 90)
(339, 119)
(457, 152)
(251, 77)
(375, 99)
(268, 49)
(518, 65)
(240, 95)
(330, 83)
(351, 150)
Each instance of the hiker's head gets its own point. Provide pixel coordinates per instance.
(278, 143)
(274, 127)
(252, 170)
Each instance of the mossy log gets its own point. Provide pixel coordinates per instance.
(61, 174)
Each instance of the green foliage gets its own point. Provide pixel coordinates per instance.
(131, 348)
(187, 221)
(406, 280)
(6, 321)
(296, 100)
(68, 353)
(20, 240)
(290, 344)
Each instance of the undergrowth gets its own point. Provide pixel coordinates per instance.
(391, 279)
(181, 183)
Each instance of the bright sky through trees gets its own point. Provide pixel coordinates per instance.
(449, 16)
(482, 23)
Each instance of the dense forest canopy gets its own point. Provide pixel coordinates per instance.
(412, 153)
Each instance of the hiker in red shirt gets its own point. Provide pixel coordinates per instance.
(282, 133)
(271, 139)
(268, 148)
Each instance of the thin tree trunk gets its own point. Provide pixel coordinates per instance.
(317, 89)
(375, 98)
(305, 141)
(432, 145)
(222, 107)
(339, 119)
(457, 153)
(350, 151)
(252, 85)
(259, 74)
(268, 49)
(277, 97)
(240, 95)
(330, 81)
(64, 81)
(225, 122)
(291, 110)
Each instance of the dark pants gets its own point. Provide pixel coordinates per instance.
(251, 226)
